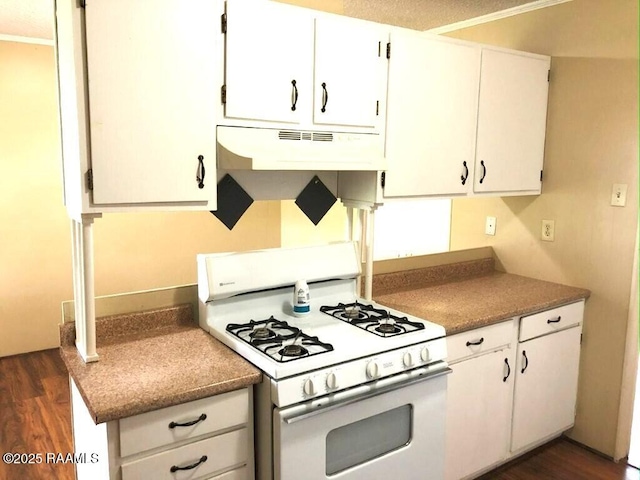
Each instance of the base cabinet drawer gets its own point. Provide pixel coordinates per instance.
(195, 460)
(551, 321)
(480, 340)
(182, 422)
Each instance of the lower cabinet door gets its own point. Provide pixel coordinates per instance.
(546, 387)
(478, 413)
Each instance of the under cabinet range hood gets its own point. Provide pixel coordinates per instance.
(249, 148)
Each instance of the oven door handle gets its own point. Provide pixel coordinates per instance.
(417, 375)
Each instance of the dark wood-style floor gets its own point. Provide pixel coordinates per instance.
(35, 418)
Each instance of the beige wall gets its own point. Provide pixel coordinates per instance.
(35, 256)
(592, 143)
(297, 229)
(134, 251)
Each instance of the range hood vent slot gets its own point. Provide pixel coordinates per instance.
(289, 135)
(310, 136)
(323, 137)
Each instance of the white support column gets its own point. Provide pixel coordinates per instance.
(368, 275)
(83, 287)
(362, 244)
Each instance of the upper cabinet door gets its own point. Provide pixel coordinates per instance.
(512, 121)
(152, 99)
(350, 72)
(431, 115)
(269, 61)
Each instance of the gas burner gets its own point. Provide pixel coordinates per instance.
(353, 312)
(378, 321)
(293, 350)
(388, 328)
(278, 340)
(262, 333)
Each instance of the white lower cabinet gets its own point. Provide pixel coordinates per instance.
(479, 396)
(513, 387)
(547, 380)
(210, 438)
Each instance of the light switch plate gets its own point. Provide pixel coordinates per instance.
(490, 226)
(619, 195)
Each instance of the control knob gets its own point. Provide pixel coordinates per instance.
(424, 354)
(332, 381)
(372, 370)
(407, 359)
(309, 387)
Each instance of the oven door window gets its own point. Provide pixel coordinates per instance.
(367, 439)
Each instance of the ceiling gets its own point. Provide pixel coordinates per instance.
(426, 14)
(34, 18)
(27, 18)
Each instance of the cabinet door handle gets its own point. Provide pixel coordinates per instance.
(464, 177)
(325, 97)
(175, 468)
(201, 418)
(484, 171)
(506, 361)
(201, 172)
(476, 342)
(294, 95)
(554, 320)
(526, 361)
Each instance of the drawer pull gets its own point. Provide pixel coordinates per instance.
(484, 171)
(201, 172)
(294, 95)
(476, 342)
(201, 418)
(325, 97)
(554, 320)
(463, 178)
(526, 361)
(506, 361)
(175, 468)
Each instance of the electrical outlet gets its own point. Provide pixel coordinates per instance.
(548, 230)
(490, 226)
(619, 195)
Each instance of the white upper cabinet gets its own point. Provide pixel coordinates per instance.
(431, 115)
(512, 119)
(269, 61)
(151, 74)
(295, 66)
(462, 119)
(349, 72)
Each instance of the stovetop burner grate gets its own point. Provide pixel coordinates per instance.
(278, 340)
(378, 321)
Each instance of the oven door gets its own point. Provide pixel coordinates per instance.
(394, 428)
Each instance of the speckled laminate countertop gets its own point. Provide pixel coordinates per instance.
(151, 360)
(469, 295)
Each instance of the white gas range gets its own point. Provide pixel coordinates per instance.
(352, 390)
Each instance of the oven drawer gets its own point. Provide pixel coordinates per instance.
(156, 429)
(206, 457)
(480, 340)
(551, 320)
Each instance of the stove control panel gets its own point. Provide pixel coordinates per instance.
(327, 381)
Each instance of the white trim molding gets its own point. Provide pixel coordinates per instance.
(490, 17)
(15, 38)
